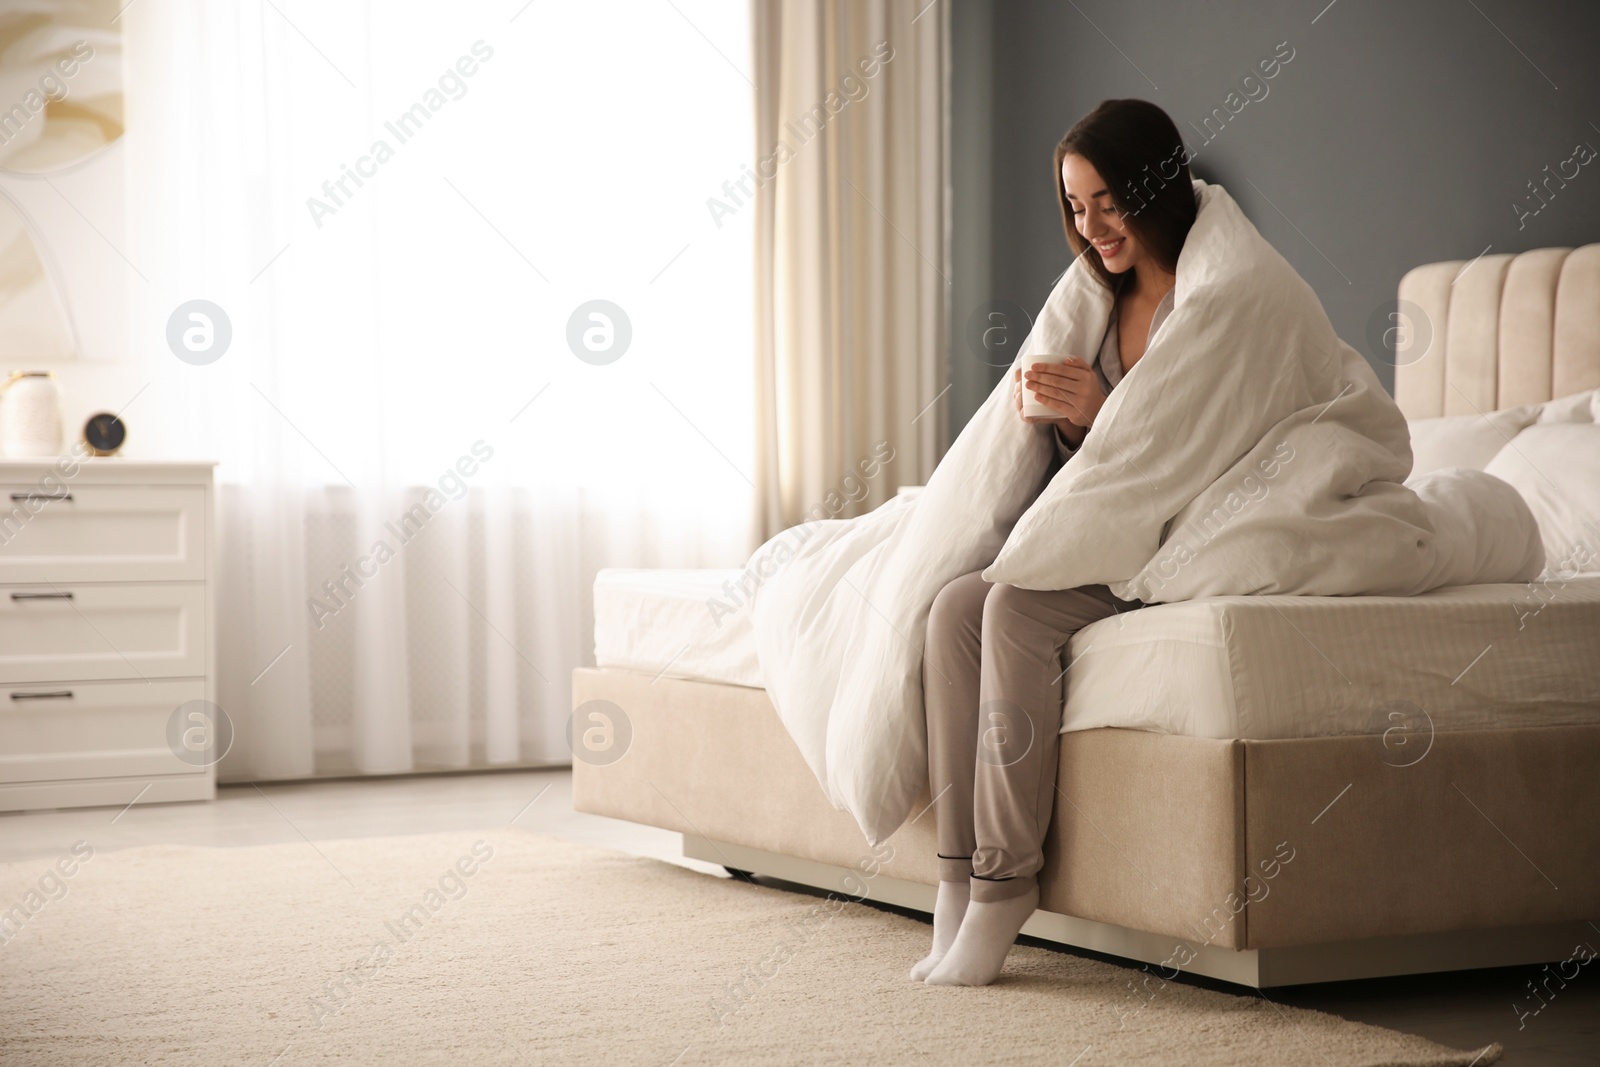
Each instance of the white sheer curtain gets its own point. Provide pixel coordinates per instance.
(399, 373)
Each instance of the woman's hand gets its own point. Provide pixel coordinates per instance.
(1071, 388)
(1071, 433)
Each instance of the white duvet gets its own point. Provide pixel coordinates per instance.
(1249, 451)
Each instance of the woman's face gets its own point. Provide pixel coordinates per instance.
(1097, 219)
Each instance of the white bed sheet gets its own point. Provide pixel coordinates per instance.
(1261, 667)
(663, 622)
(1461, 658)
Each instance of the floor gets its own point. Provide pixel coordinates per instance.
(1465, 1009)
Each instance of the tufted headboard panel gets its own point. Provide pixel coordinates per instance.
(1498, 331)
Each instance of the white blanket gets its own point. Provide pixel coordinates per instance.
(1249, 451)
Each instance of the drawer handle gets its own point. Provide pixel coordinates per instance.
(63, 694)
(41, 596)
(20, 497)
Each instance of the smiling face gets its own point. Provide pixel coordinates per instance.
(1097, 218)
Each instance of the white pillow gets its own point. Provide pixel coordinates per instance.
(1473, 440)
(1555, 467)
(1466, 440)
(1579, 407)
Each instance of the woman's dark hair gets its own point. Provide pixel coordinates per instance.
(1140, 154)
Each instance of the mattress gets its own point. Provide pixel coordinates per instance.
(677, 623)
(1256, 667)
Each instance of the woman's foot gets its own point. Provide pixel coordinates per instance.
(948, 908)
(987, 932)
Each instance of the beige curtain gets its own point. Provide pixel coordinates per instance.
(851, 267)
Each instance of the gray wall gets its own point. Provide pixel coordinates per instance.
(1402, 132)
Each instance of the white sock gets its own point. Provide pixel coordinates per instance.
(948, 908)
(987, 932)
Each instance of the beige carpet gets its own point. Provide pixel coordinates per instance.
(554, 953)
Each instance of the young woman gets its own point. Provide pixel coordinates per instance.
(993, 674)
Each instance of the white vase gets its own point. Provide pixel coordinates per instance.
(30, 416)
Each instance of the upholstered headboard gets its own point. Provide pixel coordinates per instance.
(1498, 331)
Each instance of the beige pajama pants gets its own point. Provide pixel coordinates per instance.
(993, 682)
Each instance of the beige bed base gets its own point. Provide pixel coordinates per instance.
(1263, 863)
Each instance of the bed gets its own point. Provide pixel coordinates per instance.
(1265, 790)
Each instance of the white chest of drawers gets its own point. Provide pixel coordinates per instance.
(106, 615)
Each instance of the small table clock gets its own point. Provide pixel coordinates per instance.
(104, 434)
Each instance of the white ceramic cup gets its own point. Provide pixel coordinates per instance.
(1031, 408)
